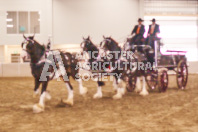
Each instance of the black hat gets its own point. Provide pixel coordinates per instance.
(140, 20)
(153, 20)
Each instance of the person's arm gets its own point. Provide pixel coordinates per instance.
(134, 30)
(157, 30)
(143, 30)
(148, 34)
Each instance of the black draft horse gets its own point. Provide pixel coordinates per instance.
(144, 59)
(97, 56)
(63, 66)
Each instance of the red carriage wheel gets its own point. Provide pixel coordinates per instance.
(131, 83)
(151, 79)
(162, 80)
(182, 74)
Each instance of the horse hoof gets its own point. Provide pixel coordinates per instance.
(69, 102)
(97, 96)
(144, 93)
(37, 108)
(117, 96)
(123, 91)
(84, 91)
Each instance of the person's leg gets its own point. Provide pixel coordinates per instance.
(139, 40)
(136, 41)
(133, 41)
(152, 42)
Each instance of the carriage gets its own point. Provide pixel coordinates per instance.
(157, 77)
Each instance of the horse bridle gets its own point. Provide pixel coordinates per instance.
(104, 41)
(25, 43)
(105, 51)
(84, 42)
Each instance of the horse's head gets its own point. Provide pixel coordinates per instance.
(106, 43)
(28, 44)
(31, 47)
(87, 44)
(110, 48)
(127, 43)
(109, 44)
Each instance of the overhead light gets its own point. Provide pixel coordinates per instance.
(10, 26)
(39, 20)
(9, 19)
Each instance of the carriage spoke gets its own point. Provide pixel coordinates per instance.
(182, 74)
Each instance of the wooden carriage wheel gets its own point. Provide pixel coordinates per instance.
(131, 83)
(162, 80)
(152, 78)
(182, 74)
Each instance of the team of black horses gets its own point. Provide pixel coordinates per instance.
(47, 64)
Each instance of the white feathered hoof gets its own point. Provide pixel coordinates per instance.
(69, 102)
(84, 91)
(122, 91)
(144, 93)
(37, 108)
(117, 96)
(115, 88)
(97, 96)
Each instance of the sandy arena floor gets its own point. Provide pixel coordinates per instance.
(175, 110)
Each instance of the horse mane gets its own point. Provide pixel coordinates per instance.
(114, 41)
(38, 43)
(41, 45)
(93, 45)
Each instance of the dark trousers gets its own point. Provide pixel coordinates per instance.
(150, 40)
(137, 40)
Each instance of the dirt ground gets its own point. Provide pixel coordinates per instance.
(175, 110)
